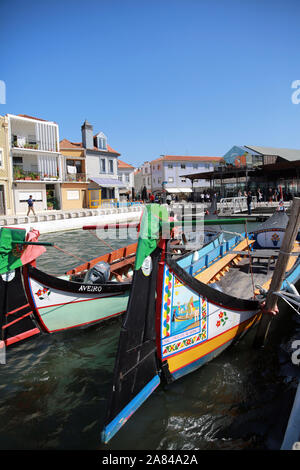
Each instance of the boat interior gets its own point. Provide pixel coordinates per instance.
(234, 266)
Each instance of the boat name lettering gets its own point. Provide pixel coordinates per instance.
(90, 289)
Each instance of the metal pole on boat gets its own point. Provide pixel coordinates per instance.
(279, 273)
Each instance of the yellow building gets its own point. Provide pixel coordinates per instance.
(6, 195)
(74, 186)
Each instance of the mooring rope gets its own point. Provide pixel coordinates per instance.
(101, 240)
(70, 254)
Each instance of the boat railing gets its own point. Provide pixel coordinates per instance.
(218, 252)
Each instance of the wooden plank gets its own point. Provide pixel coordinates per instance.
(211, 271)
(292, 260)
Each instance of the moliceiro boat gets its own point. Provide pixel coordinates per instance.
(184, 311)
(33, 302)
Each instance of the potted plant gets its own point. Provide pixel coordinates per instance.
(49, 205)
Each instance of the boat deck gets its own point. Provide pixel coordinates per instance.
(238, 282)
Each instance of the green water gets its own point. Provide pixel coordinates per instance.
(53, 389)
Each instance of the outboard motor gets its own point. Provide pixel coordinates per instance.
(98, 274)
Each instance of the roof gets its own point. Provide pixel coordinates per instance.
(122, 164)
(287, 154)
(187, 158)
(67, 144)
(32, 117)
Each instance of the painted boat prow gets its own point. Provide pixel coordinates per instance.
(136, 371)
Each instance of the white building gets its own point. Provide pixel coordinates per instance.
(168, 173)
(142, 179)
(126, 176)
(36, 162)
(101, 164)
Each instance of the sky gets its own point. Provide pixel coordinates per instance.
(179, 77)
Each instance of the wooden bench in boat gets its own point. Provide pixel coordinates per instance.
(292, 260)
(217, 269)
(269, 255)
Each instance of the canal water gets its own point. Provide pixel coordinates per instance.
(53, 389)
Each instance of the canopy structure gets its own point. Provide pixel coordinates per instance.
(108, 182)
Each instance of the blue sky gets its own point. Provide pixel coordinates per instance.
(183, 77)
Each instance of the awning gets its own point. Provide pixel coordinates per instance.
(108, 182)
(179, 190)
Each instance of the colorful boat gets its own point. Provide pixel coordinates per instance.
(183, 312)
(33, 302)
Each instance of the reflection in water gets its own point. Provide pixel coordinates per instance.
(53, 389)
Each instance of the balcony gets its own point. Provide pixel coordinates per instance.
(75, 177)
(22, 175)
(25, 143)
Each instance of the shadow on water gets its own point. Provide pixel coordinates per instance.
(54, 388)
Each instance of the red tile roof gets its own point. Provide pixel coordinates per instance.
(32, 117)
(67, 144)
(187, 158)
(122, 164)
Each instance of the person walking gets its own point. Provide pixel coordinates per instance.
(249, 201)
(30, 202)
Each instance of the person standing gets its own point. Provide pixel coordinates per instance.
(259, 196)
(249, 201)
(30, 202)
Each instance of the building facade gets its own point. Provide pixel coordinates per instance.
(126, 176)
(168, 173)
(35, 160)
(74, 193)
(90, 169)
(250, 167)
(6, 197)
(143, 180)
(101, 165)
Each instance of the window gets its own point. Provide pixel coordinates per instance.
(120, 177)
(102, 165)
(170, 179)
(1, 158)
(182, 166)
(111, 166)
(159, 180)
(158, 167)
(102, 143)
(127, 178)
(170, 166)
(195, 166)
(17, 161)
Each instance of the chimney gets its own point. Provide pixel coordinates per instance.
(87, 135)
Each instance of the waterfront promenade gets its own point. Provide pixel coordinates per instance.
(56, 221)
